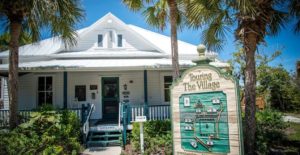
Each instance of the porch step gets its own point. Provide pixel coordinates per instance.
(99, 136)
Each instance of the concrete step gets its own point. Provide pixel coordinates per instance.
(104, 136)
(103, 143)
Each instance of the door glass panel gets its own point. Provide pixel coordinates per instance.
(110, 91)
(110, 98)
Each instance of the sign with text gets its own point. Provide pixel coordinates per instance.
(205, 113)
(140, 119)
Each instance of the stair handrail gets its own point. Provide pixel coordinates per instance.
(120, 113)
(86, 124)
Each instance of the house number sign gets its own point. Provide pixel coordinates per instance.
(205, 113)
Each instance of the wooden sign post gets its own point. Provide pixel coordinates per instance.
(141, 120)
(206, 116)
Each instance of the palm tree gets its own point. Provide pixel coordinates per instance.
(294, 8)
(59, 16)
(157, 13)
(5, 37)
(254, 20)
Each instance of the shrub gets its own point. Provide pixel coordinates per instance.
(270, 130)
(157, 137)
(46, 132)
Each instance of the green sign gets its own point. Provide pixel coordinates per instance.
(204, 122)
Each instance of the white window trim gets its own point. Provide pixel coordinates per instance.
(53, 88)
(162, 87)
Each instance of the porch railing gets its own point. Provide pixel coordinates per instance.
(152, 112)
(128, 114)
(86, 122)
(25, 115)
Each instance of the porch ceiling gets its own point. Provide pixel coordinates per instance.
(99, 64)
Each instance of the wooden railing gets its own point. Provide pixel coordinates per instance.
(86, 122)
(129, 112)
(159, 112)
(25, 115)
(152, 112)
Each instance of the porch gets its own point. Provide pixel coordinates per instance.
(128, 113)
(101, 132)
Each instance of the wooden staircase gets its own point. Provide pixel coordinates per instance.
(104, 135)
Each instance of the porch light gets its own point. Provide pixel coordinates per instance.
(125, 86)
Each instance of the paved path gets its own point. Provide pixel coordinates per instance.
(291, 119)
(111, 150)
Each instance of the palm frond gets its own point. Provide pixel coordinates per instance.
(134, 5)
(294, 9)
(215, 33)
(156, 15)
(277, 21)
(60, 16)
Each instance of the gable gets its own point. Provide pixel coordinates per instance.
(111, 30)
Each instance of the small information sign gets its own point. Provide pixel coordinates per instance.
(140, 119)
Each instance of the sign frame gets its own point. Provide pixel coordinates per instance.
(234, 94)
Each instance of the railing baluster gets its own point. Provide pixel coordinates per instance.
(156, 112)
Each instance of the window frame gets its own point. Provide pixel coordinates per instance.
(37, 89)
(162, 85)
(86, 92)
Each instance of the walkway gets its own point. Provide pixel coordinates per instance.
(291, 119)
(111, 150)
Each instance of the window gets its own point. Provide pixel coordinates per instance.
(167, 83)
(120, 43)
(45, 90)
(80, 92)
(100, 40)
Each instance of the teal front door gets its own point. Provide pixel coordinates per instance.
(110, 98)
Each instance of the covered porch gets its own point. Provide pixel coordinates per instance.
(67, 84)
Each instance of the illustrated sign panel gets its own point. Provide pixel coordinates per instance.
(203, 122)
(206, 113)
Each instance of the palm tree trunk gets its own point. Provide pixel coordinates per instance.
(174, 45)
(250, 94)
(15, 31)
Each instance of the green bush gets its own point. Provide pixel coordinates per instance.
(270, 130)
(46, 132)
(157, 137)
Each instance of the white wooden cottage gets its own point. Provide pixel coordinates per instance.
(112, 62)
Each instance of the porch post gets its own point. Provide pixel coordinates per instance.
(145, 87)
(146, 94)
(65, 90)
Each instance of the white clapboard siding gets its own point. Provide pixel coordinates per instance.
(136, 88)
(28, 90)
(154, 88)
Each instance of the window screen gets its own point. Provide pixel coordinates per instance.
(100, 40)
(120, 43)
(45, 90)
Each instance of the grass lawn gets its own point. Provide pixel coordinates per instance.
(293, 132)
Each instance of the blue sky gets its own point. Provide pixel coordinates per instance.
(285, 41)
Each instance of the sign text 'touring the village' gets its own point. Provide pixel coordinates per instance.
(201, 81)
